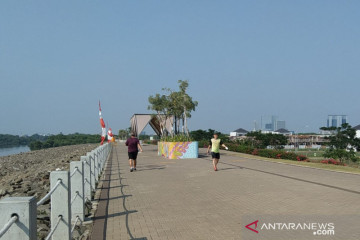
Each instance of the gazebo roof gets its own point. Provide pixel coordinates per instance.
(240, 130)
(282, 130)
(357, 127)
(139, 121)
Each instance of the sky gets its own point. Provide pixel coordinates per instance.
(298, 60)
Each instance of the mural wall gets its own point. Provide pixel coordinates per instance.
(178, 150)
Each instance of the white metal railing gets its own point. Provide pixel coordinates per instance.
(8, 225)
(54, 228)
(69, 191)
(75, 171)
(74, 198)
(76, 220)
(49, 193)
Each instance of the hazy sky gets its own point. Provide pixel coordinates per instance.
(298, 60)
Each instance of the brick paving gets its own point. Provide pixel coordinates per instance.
(186, 199)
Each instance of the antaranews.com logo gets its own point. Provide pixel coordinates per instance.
(319, 229)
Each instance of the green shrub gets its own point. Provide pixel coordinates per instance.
(268, 153)
(176, 138)
(65, 140)
(204, 143)
(152, 142)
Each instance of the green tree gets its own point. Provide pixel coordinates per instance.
(7, 140)
(123, 134)
(159, 104)
(175, 107)
(175, 110)
(342, 143)
(186, 103)
(64, 140)
(262, 140)
(35, 145)
(199, 135)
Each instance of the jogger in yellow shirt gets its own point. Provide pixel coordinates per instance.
(215, 144)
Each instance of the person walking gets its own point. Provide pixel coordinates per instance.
(134, 146)
(215, 144)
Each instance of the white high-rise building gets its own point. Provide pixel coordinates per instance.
(280, 125)
(336, 120)
(271, 123)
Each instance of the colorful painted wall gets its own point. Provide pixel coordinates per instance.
(178, 150)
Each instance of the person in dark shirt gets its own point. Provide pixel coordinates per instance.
(133, 149)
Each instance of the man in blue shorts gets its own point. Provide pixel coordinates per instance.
(215, 144)
(133, 149)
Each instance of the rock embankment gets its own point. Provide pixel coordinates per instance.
(27, 174)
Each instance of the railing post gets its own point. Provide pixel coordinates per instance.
(104, 155)
(98, 152)
(92, 170)
(25, 208)
(98, 162)
(101, 157)
(87, 177)
(96, 169)
(60, 205)
(77, 190)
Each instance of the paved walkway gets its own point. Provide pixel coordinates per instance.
(186, 199)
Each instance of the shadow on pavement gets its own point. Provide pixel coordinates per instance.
(150, 167)
(114, 215)
(224, 169)
(113, 198)
(115, 187)
(288, 177)
(102, 214)
(126, 212)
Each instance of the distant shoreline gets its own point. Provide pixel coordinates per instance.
(7, 151)
(27, 174)
(10, 141)
(14, 146)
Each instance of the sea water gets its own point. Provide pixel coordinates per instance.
(13, 150)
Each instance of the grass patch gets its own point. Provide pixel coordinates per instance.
(311, 154)
(330, 167)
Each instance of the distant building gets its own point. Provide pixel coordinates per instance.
(268, 123)
(310, 141)
(271, 123)
(326, 133)
(357, 128)
(280, 125)
(256, 127)
(336, 120)
(283, 131)
(238, 132)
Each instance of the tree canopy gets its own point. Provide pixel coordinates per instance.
(64, 140)
(124, 133)
(175, 106)
(342, 143)
(261, 140)
(7, 140)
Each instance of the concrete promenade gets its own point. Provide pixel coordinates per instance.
(186, 199)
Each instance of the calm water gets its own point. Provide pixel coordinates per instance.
(13, 150)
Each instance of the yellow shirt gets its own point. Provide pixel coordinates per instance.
(215, 145)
